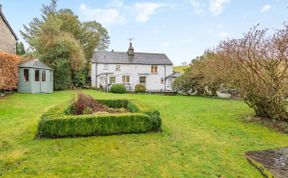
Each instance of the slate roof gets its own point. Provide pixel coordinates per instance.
(137, 58)
(34, 63)
(7, 23)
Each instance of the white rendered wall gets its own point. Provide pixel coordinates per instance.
(134, 71)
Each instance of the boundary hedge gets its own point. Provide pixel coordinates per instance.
(8, 71)
(55, 123)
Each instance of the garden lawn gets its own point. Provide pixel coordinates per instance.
(202, 137)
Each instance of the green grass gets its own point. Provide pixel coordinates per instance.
(201, 137)
(180, 69)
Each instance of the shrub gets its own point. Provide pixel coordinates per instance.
(55, 123)
(140, 88)
(8, 71)
(83, 104)
(118, 88)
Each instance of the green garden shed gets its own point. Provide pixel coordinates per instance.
(35, 77)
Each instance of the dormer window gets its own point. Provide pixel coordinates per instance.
(154, 69)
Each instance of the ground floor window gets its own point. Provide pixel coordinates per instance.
(142, 79)
(112, 80)
(125, 79)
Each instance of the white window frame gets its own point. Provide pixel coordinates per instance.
(154, 69)
(125, 79)
(110, 80)
(117, 67)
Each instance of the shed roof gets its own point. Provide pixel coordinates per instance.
(35, 63)
(137, 58)
(7, 23)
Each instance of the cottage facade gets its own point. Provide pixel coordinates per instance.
(8, 37)
(131, 68)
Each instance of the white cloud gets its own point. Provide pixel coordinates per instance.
(116, 3)
(145, 10)
(217, 6)
(106, 16)
(197, 6)
(223, 34)
(266, 8)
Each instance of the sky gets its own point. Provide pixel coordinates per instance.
(182, 29)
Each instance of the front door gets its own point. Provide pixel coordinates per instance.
(43, 83)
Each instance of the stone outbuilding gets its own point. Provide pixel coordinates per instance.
(35, 77)
(8, 38)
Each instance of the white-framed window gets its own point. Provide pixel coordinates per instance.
(117, 67)
(154, 69)
(112, 80)
(125, 79)
(106, 67)
(142, 79)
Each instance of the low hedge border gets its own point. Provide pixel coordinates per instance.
(55, 123)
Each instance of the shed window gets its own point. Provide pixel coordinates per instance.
(43, 75)
(125, 79)
(154, 69)
(37, 75)
(26, 75)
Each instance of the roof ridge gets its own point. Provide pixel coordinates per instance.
(134, 52)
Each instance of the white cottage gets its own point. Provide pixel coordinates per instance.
(131, 68)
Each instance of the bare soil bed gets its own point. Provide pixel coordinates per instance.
(272, 162)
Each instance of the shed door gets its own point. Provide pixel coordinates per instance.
(43, 85)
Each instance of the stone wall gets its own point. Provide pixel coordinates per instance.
(7, 40)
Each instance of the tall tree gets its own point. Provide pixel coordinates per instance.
(61, 31)
(20, 49)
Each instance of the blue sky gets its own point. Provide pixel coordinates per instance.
(182, 29)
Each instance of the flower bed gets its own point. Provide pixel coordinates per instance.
(140, 119)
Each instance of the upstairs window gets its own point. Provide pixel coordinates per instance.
(105, 66)
(154, 69)
(125, 79)
(37, 75)
(26, 75)
(43, 75)
(117, 67)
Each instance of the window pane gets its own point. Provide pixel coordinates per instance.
(26, 75)
(117, 67)
(112, 80)
(43, 75)
(142, 79)
(125, 79)
(153, 69)
(37, 75)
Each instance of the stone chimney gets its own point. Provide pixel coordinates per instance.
(130, 51)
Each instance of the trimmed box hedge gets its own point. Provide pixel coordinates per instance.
(55, 123)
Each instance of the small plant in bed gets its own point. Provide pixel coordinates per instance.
(85, 116)
(85, 104)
